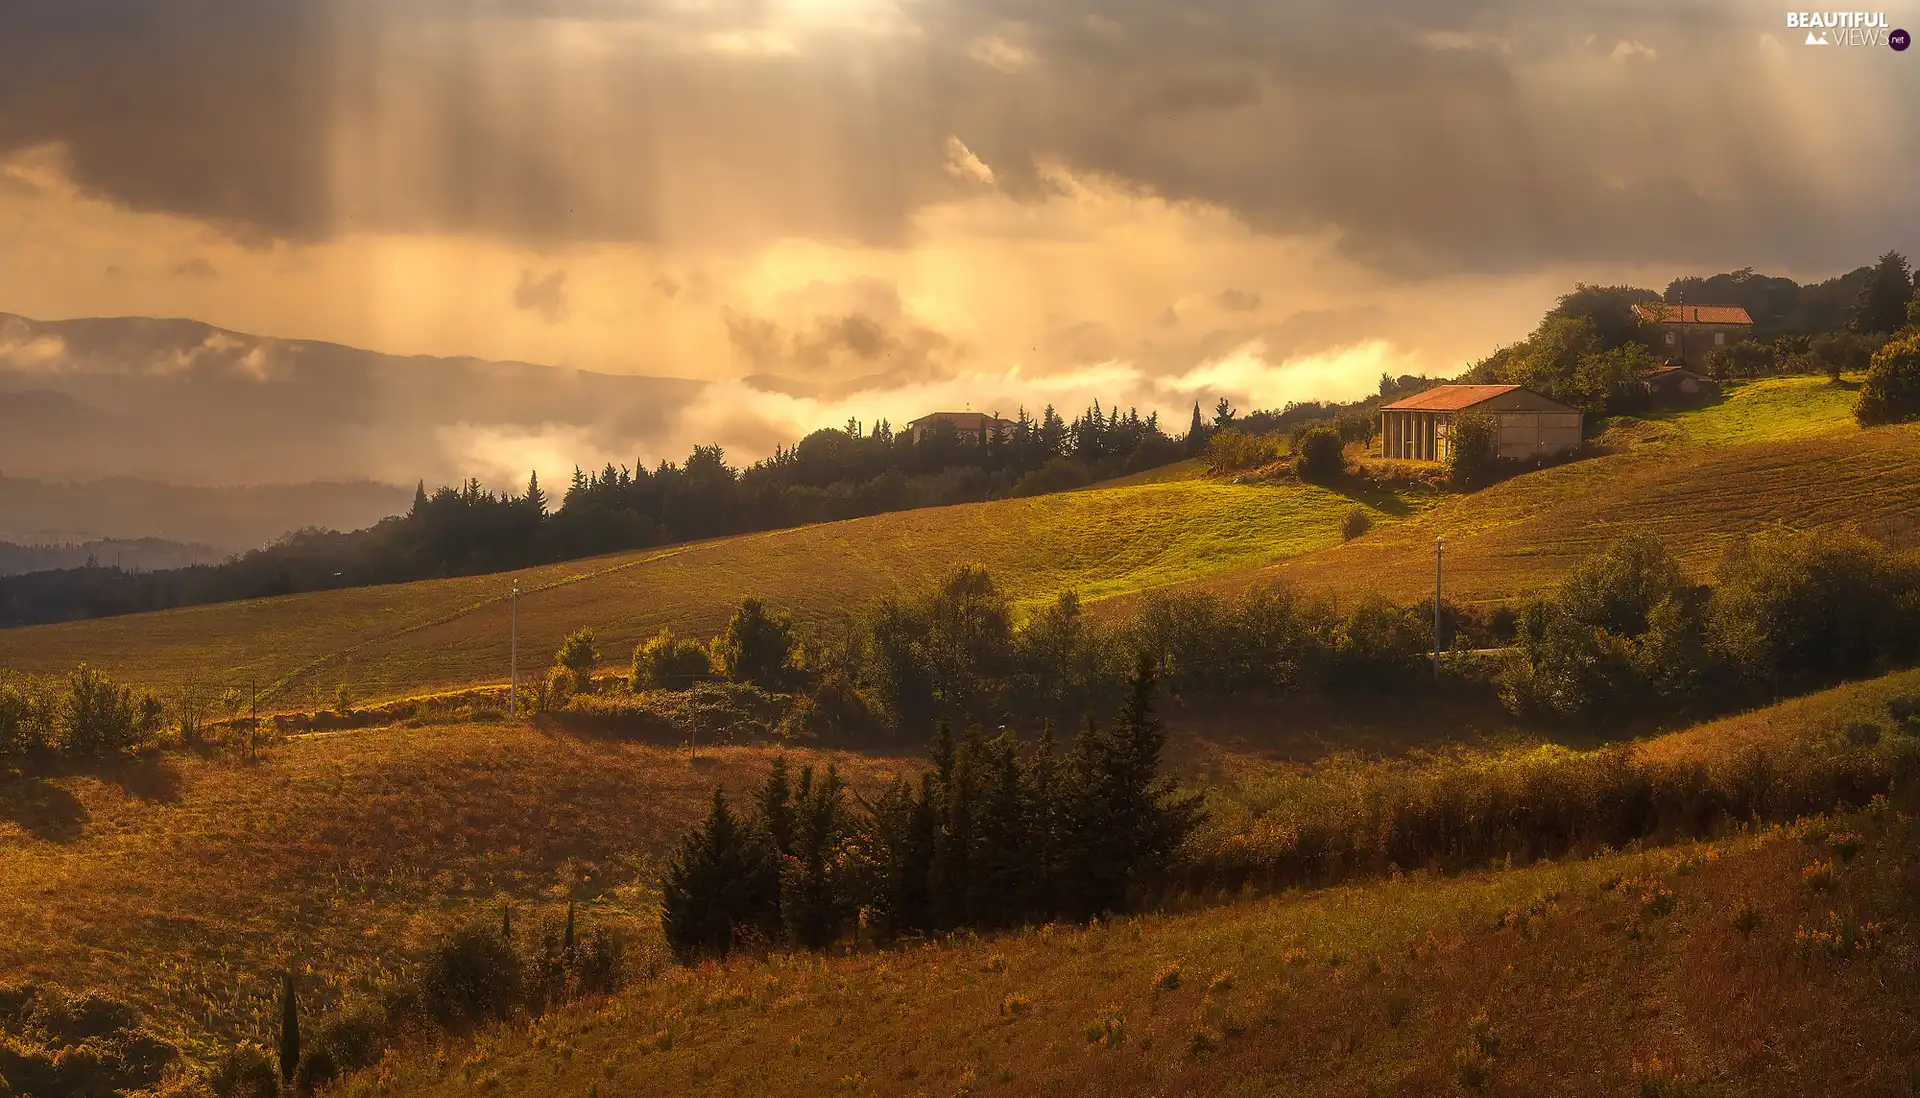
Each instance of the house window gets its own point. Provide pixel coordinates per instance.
(1669, 339)
(1719, 339)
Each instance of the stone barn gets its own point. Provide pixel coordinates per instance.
(1531, 425)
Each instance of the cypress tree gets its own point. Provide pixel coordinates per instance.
(1196, 439)
(289, 1028)
(723, 881)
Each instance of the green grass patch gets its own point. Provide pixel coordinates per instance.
(1774, 409)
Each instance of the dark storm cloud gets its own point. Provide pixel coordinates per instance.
(1419, 134)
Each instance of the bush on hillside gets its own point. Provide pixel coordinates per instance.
(1321, 455)
(578, 658)
(715, 713)
(1355, 523)
(472, 975)
(665, 662)
(1473, 449)
(1230, 450)
(1891, 393)
(86, 713)
(1061, 474)
(757, 646)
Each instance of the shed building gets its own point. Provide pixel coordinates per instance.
(1419, 428)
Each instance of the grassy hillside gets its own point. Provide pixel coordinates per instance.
(1775, 453)
(1689, 972)
(400, 639)
(1786, 472)
(182, 884)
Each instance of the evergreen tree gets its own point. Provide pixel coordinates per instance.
(1196, 432)
(1043, 797)
(953, 835)
(776, 807)
(812, 904)
(1000, 864)
(1882, 305)
(1127, 823)
(289, 1027)
(723, 882)
(536, 500)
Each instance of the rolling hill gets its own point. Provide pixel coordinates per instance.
(184, 883)
(1782, 453)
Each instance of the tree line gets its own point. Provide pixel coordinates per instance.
(467, 529)
(991, 835)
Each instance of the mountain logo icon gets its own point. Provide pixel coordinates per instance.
(1818, 38)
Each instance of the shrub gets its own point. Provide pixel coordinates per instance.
(1061, 474)
(1355, 523)
(1891, 393)
(1473, 449)
(757, 646)
(1232, 450)
(97, 714)
(245, 1071)
(472, 975)
(1321, 456)
(578, 658)
(664, 662)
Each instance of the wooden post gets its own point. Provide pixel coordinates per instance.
(1438, 544)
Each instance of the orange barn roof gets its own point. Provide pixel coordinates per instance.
(1693, 314)
(1449, 398)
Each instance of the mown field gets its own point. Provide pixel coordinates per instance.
(183, 884)
(1775, 453)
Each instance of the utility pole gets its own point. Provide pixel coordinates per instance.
(1438, 545)
(253, 721)
(513, 656)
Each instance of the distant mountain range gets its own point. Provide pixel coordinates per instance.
(153, 525)
(182, 402)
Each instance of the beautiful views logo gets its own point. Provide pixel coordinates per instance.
(1841, 28)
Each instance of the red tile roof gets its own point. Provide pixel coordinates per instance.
(1450, 398)
(1693, 314)
(962, 421)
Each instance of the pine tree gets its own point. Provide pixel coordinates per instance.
(776, 807)
(419, 500)
(811, 902)
(953, 835)
(1043, 797)
(723, 882)
(289, 1027)
(1000, 868)
(1882, 305)
(536, 500)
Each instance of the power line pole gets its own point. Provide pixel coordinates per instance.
(1438, 544)
(513, 656)
(253, 722)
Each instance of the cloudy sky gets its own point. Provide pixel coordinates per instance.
(829, 208)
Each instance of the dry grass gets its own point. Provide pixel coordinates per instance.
(182, 884)
(403, 639)
(1705, 970)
